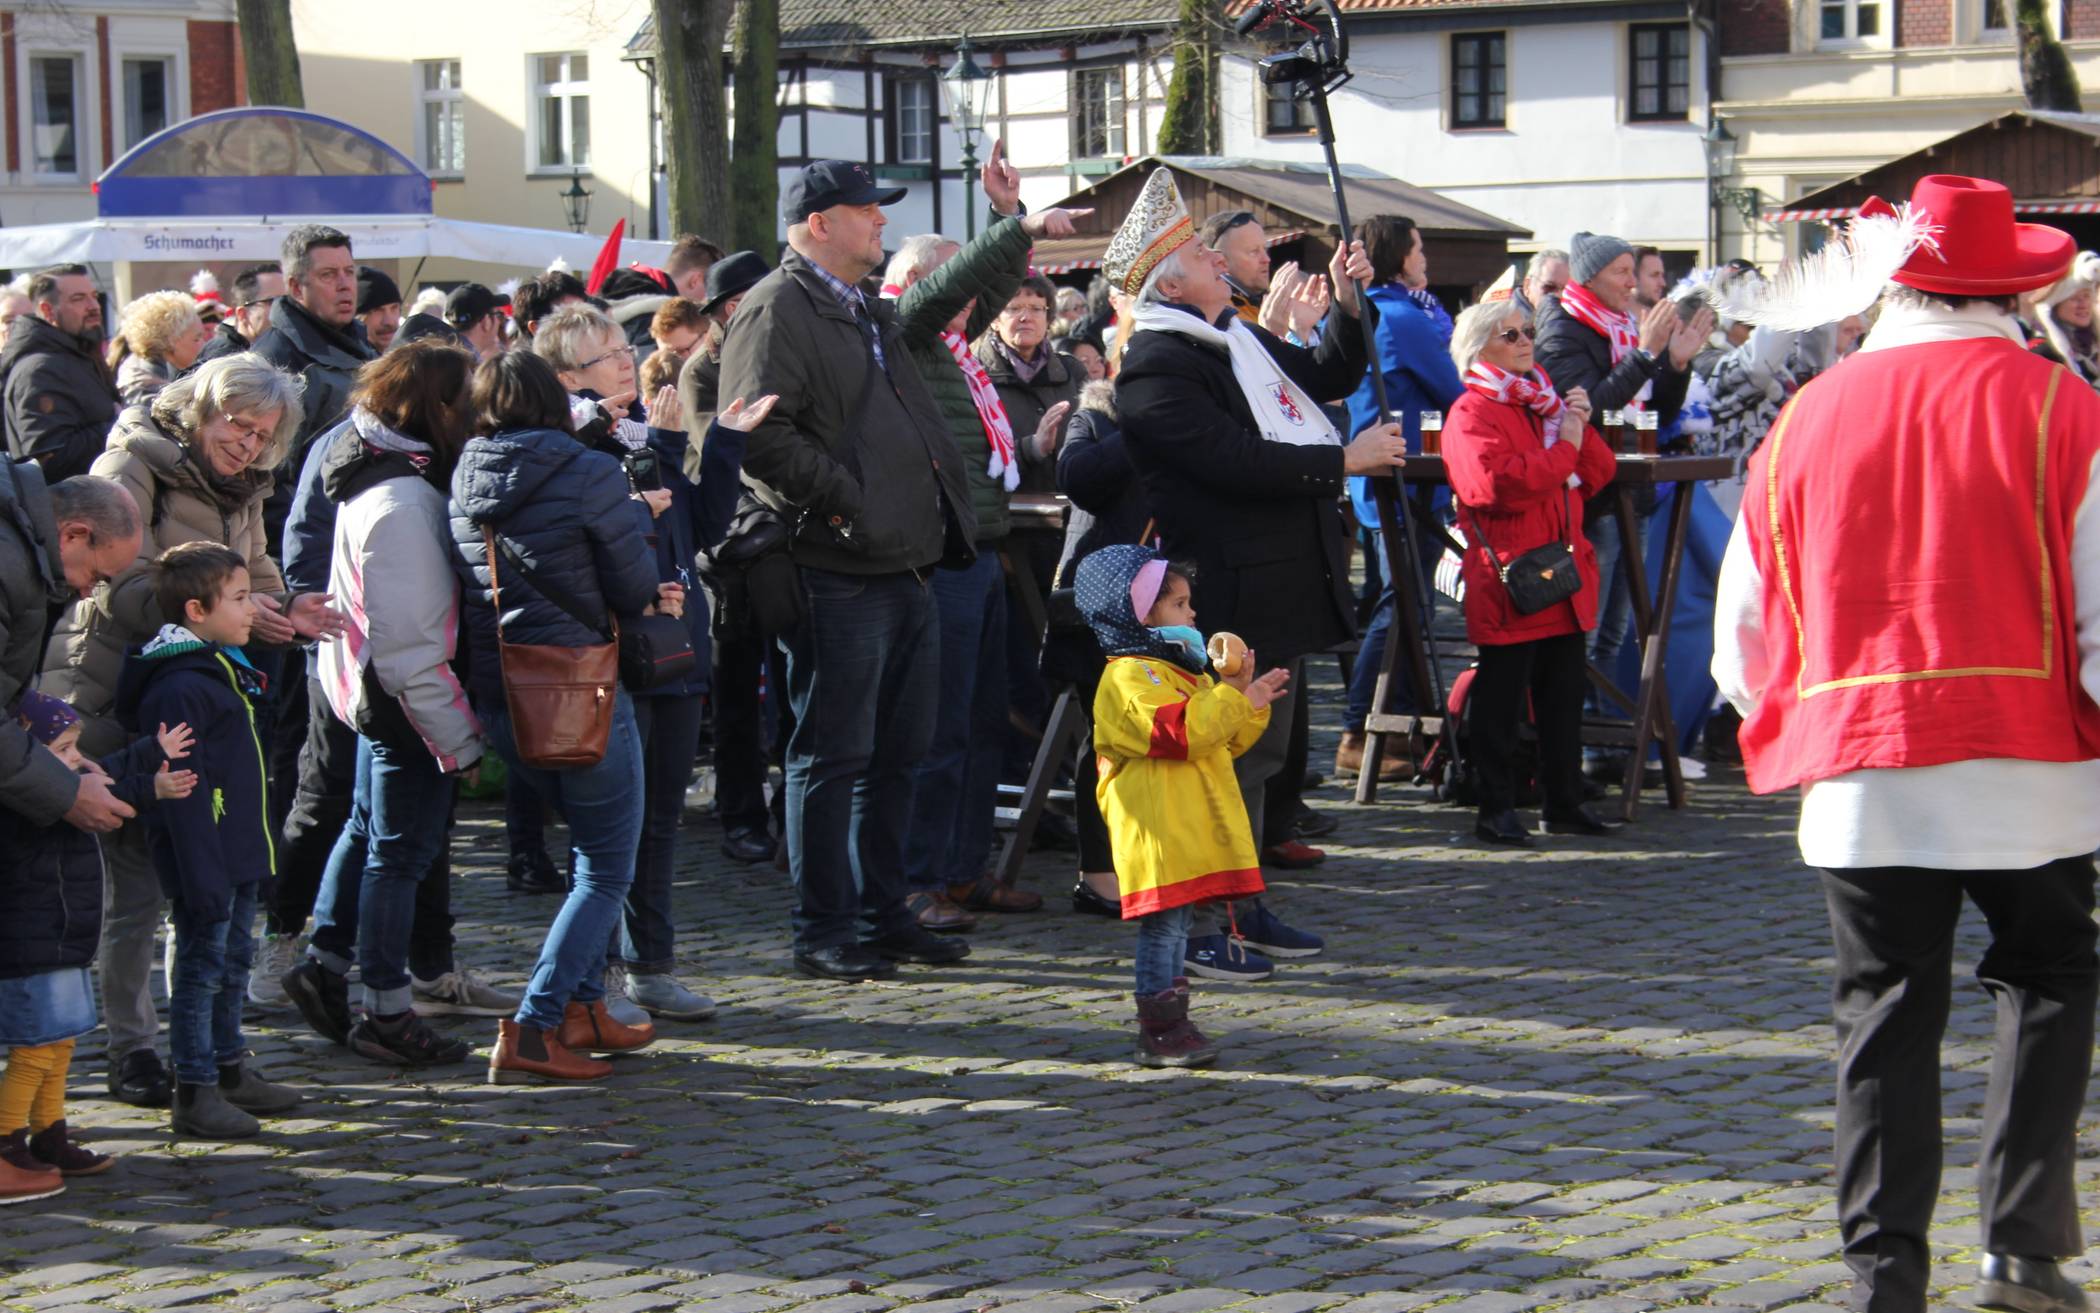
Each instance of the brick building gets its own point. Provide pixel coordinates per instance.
(83, 82)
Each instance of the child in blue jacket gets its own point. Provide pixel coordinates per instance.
(212, 849)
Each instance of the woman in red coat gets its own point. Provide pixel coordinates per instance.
(1523, 464)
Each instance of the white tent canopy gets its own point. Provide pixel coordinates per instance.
(372, 237)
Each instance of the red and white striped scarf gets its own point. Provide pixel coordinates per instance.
(1533, 391)
(1616, 325)
(998, 430)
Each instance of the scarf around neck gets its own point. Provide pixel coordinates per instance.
(1534, 392)
(1282, 410)
(991, 412)
(1616, 326)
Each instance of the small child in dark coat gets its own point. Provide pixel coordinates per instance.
(212, 849)
(50, 921)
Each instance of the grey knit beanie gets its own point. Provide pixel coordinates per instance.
(1588, 253)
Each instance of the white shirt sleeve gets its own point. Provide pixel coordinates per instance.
(1740, 664)
(2085, 583)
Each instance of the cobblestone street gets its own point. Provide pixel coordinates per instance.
(1591, 1076)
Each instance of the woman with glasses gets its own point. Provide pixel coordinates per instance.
(198, 461)
(1523, 463)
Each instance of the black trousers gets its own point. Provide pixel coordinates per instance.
(320, 810)
(1894, 934)
(741, 756)
(1551, 672)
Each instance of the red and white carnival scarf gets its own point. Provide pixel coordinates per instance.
(998, 430)
(1617, 326)
(1533, 391)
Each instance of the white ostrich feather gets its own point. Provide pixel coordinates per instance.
(507, 288)
(1844, 278)
(559, 266)
(202, 282)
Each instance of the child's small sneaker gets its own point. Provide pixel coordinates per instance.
(55, 1146)
(1262, 929)
(19, 1185)
(322, 997)
(1166, 1036)
(460, 993)
(1221, 957)
(406, 1041)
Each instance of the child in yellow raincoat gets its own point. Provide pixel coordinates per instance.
(1166, 733)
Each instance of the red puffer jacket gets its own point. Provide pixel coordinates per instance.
(1509, 484)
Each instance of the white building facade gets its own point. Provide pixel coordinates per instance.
(1562, 115)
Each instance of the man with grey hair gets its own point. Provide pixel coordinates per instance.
(311, 336)
(1545, 275)
(56, 544)
(58, 394)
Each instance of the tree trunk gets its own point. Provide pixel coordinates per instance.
(2046, 74)
(754, 170)
(689, 36)
(272, 59)
(1189, 124)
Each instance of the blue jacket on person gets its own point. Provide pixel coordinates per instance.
(219, 837)
(565, 510)
(1415, 358)
(309, 528)
(698, 518)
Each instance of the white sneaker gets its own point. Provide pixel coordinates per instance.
(279, 954)
(460, 993)
(618, 1003)
(167, 961)
(700, 794)
(661, 994)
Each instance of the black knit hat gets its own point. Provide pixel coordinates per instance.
(375, 289)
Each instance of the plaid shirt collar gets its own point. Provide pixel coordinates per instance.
(849, 294)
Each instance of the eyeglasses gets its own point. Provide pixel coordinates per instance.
(595, 361)
(251, 435)
(1510, 335)
(260, 300)
(1020, 311)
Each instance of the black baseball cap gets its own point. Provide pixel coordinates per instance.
(826, 183)
(470, 303)
(732, 275)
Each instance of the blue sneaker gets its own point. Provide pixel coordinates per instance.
(1221, 957)
(1261, 929)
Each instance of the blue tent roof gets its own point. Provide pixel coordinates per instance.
(261, 160)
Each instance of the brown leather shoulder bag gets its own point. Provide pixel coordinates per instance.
(560, 698)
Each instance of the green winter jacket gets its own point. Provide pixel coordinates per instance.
(989, 269)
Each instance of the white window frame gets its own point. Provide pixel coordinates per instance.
(1115, 119)
(924, 85)
(425, 97)
(88, 126)
(537, 91)
(1884, 39)
(1970, 31)
(178, 59)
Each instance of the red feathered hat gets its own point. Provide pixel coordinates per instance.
(1976, 248)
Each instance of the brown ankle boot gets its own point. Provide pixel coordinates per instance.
(526, 1053)
(1393, 766)
(589, 1028)
(56, 1147)
(1166, 1036)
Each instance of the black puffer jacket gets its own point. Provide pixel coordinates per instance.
(566, 511)
(1574, 355)
(60, 399)
(51, 884)
(328, 359)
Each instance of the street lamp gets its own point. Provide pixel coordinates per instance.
(1720, 146)
(967, 85)
(576, 201)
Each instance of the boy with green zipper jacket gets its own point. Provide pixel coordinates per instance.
(212, 849)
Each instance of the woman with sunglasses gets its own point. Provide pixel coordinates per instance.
(1523, 463)
(198, 461)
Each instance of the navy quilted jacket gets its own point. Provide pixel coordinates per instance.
(565, 510)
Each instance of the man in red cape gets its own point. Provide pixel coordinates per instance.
(1909, 621)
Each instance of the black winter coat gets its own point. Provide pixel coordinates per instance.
(328, 359)
(219, 838)
(51, 884)
(565, 510)
(35, 786)
(228, 341)
(1095, 472)
(60, 399)
(1574, 355)
(1261, 521)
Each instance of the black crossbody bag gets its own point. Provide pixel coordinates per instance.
(1542, 577)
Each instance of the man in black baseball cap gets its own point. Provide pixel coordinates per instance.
(826, 183)
(476, 314)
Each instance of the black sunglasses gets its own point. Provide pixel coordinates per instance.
(1510, 335)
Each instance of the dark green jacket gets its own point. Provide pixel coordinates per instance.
(989, 269)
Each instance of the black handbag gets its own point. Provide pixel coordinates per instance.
(751, 575)
(1542, 577)
(654, 649)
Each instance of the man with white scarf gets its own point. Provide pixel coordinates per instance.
(1909, 621)
(1244, 477)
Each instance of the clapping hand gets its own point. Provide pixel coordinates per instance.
(1284, 285)
(170, 783)
(745, 418)
(1261, 692)
(311, 616)
(1350, 266)
(1048, 433)
(1657, 326)
(665, 411)
(1578, 405)
(1688, 340)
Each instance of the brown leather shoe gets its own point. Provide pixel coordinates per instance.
(526, 1053)
(589, 1028)
(937, 912)
(1393, 767)
(986, 894)
(19, 1185)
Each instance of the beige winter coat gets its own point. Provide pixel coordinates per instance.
(178, 503)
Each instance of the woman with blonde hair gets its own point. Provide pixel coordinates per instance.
(158, 337)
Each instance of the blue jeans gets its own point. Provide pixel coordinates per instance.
(670, 734)
(863, 683)
(1615, 605)
(211, 986)
(1162, 943)
(955, 787)
(1370, 652)
(400, 821)
(603, 806)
